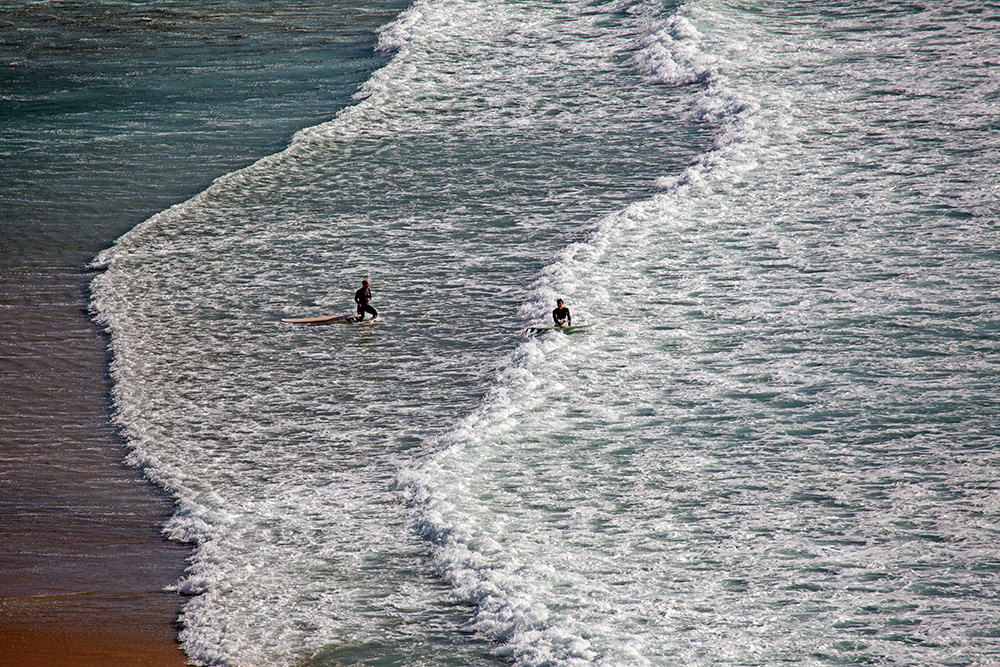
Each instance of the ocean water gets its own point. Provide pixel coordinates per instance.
(778, 445)
(115, 109)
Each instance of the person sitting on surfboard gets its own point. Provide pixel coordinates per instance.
(362, 297)
(561, 316)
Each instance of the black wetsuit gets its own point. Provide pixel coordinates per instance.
(562, 317)
(362, 297)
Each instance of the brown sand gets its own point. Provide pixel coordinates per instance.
(52, 644)
(70, 649)
(83, 563)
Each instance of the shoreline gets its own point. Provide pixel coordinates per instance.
(83, 561)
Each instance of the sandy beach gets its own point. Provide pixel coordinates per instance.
(83, 564)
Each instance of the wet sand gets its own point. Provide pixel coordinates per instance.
(32, 647)
(83, 562)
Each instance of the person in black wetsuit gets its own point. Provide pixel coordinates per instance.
(561, 316)
(362, 297)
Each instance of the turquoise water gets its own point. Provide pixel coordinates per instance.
(777, 445)
(114, 110)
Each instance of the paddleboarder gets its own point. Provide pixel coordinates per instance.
(561, 316)
(362, 297)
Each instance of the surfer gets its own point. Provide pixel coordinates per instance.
(362, 297)
(561, 316)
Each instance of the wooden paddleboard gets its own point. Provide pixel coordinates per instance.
(329, 319)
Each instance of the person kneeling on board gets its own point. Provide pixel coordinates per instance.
(561, 316)
(362, 297)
